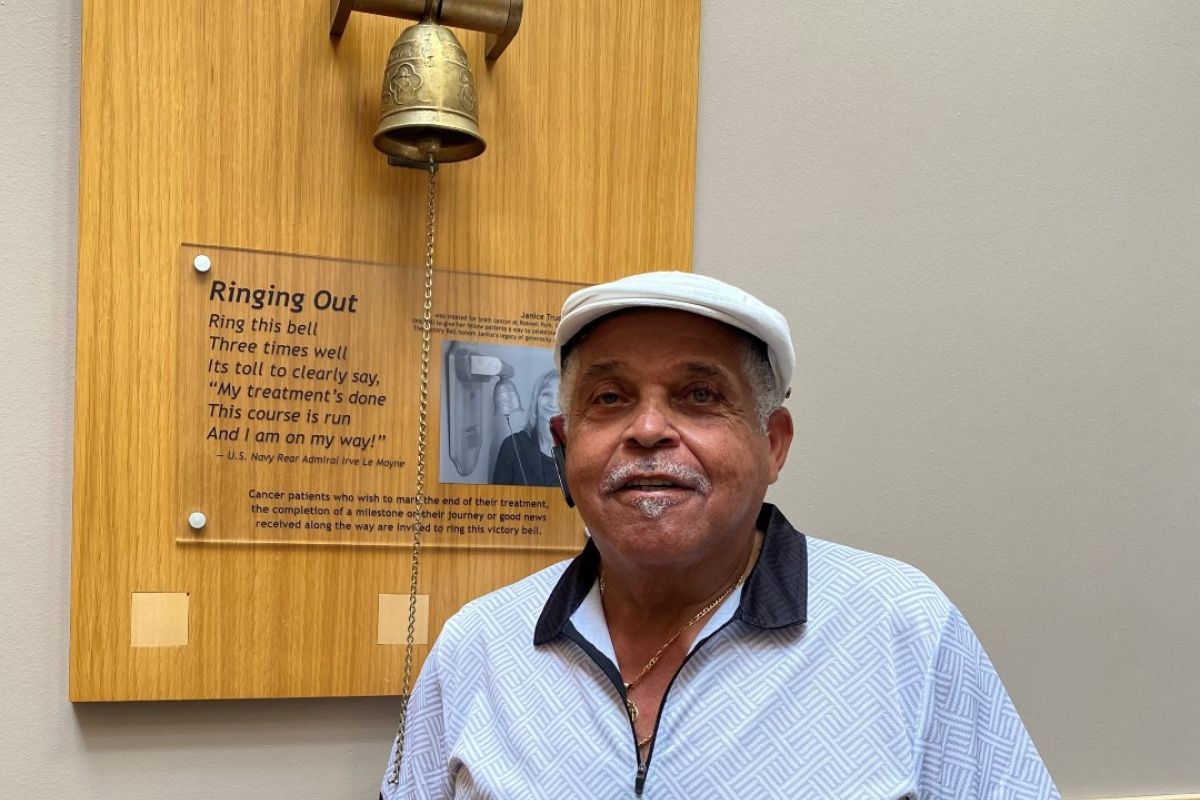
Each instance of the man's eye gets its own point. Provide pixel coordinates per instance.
(607, 398)
(702, 395)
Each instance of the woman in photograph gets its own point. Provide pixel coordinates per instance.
(524, 458)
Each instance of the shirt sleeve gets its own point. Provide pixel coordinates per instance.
(974, 745)
(425, 770)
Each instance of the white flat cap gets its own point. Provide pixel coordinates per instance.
(682, 291)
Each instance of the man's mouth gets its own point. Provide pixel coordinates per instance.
(650, 484)
(656, 477)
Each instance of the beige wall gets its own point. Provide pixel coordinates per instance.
(984, 222)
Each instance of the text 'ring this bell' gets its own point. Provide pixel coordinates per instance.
(429, 110)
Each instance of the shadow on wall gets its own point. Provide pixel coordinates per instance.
(233, 724)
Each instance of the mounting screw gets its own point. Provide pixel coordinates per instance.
(197, 520)
(202, 263)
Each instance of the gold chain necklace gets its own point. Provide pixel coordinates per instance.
(631, 706)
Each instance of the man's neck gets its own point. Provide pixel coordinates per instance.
(656, 601)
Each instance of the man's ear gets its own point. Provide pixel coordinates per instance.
(558, 431)
(779, 439)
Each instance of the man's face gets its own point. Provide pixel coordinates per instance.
(664, 456)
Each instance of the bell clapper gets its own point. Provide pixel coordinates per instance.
(429, 146)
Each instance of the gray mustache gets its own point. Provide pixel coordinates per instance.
(684, 475)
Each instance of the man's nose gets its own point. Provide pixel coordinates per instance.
(651, 425)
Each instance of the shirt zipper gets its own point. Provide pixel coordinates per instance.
(639, 782)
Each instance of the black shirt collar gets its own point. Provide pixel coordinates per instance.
(774, 596)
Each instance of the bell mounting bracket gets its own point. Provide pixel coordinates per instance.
(499, 19)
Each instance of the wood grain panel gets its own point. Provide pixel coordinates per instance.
(234, 123)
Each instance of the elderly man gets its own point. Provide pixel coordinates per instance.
(699, 646)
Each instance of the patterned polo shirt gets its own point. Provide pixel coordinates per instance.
(831, 673)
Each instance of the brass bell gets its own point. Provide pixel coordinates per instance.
(429, 110)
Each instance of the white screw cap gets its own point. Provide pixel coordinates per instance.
(197, 520)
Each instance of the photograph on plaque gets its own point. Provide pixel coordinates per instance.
(497, 405)
(298, 398)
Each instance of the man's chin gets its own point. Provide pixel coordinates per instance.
(654, 505)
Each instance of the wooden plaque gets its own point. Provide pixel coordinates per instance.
(242, 126)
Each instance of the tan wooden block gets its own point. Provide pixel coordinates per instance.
(393, 619)
(158, 619)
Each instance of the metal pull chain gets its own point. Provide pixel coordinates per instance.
(422, 424)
